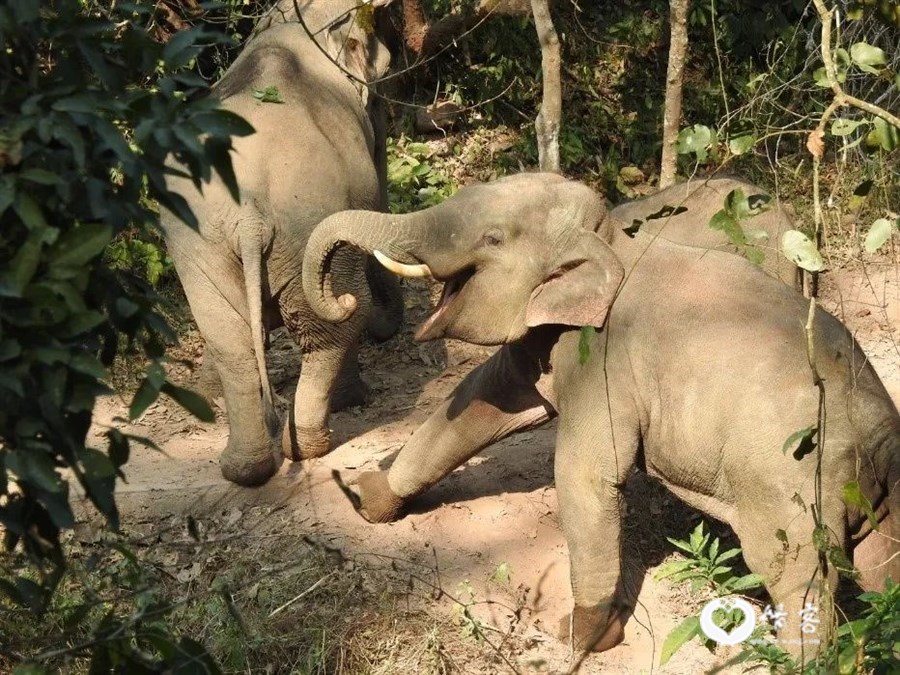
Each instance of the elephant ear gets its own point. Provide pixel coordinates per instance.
(581, 287)
(357, 49)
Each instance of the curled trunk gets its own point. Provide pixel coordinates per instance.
(364, 230)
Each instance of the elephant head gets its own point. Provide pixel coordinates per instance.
(343, 29)
(529, 242)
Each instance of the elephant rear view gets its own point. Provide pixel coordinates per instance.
(299, 82)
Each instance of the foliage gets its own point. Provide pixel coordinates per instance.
(737, 208)
(90, 107)
(864, 646)
(704, 568)
(142, 255)
(414, 182)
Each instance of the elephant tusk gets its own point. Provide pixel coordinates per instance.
(401, 269)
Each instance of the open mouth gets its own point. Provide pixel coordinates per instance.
(434, 325)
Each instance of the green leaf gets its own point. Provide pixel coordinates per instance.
(885, 134)
(191, 401)
(820, 538)
(40, 176)
(728, 555)
(180, 48)
(684, 632)
(867, 57)
(501, 575)
(802, 251)
(879, 233)
(584, 343)
(21, 268)
(802, 441)
(29, 211)
(746, 582)
(694, 140)
(36, 468)
(838, 558)
(728, 224)
(80, 244)
(844, 127)
(268, 95)
(741, 144)
(852, 495)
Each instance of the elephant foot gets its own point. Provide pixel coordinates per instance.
(377, 502)
(298, 443)
(247, 469)
(593, 628)
(349, 395)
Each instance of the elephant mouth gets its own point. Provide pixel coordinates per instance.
(435, 325)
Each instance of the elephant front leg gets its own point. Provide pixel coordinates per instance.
(590, 471)
(495, 400)
(306, 434)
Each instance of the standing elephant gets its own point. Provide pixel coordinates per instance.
(697, 373)
(311, 155)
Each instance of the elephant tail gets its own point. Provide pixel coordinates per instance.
(251, 256)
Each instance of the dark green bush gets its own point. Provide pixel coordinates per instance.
(90, 107)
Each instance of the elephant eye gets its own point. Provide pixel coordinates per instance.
(493, 237)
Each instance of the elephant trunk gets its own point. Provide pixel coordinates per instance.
(368, 231)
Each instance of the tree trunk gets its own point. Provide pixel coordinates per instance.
(678, 43)
(548, 119)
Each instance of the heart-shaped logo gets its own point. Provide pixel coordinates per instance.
(740, 632)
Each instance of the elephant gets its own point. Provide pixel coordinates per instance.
(314, 152)
(682, 213)
(696, 372)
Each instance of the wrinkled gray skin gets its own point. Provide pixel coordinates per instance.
(311, 156)
(702, 199)
(697, 374)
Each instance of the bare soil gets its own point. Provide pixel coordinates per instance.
(497, 514)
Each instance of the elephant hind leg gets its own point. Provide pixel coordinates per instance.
(215, 291)
(777, 537)
(350, 390)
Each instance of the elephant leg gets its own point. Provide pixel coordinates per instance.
(387, 302)
(790, 568)
(306, 434)
(214, 285)
(350, 389)
(591, 467)
(495, 400)
(209, 384)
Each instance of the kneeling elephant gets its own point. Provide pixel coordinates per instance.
(695, 371)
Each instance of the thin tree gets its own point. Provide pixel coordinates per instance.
(547, 123)
(678, 44)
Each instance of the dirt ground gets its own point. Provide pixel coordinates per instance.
(498, 509)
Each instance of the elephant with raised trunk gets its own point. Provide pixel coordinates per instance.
(697, 373)
(314, 153)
